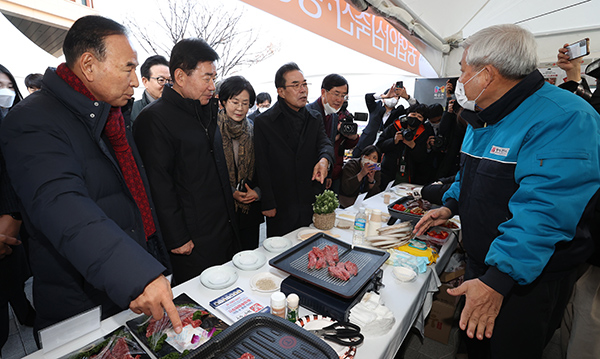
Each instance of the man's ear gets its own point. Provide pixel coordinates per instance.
(490, 74)
(180, 77)
(280, 92)
(88, 66)
(323, 91)
(145, 81)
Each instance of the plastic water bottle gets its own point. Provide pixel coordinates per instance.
(360, 224)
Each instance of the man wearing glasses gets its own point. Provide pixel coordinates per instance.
(328, 108)
(155, 75)
(293, 155)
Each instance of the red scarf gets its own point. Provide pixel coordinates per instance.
(115, 131)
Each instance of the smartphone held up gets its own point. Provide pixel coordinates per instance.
(579, 49)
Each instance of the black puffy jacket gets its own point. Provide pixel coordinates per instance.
(87, 245)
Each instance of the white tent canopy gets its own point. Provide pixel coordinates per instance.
(436, 28)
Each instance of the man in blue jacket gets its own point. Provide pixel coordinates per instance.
(525, 193)
(94, 238)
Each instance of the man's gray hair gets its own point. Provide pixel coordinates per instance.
(511, 49)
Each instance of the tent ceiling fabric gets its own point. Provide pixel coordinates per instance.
(435, 28)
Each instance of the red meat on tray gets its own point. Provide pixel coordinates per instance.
(351, 268)
(329, 256)
(339, 271)
(312, 260)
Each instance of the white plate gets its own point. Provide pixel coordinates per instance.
(404, 274)
(394, 231)
(316, 322)
(277, 244)
(377, 239)
(218, 277)
(249, 260)
(265, 282)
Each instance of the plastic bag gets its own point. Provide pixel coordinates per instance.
(402, 259)
(119, 344)
(192, 336)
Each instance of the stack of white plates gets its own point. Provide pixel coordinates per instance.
(249, 260)
(277, 244)
(218, 277)
(392, 236)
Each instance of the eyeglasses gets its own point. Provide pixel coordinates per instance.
(296, 86)
(339, 95)
(236, 104)
(162, 80)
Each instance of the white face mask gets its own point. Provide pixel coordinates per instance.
(328, 109)
(390, 102)
(262, 109)
(7, 97)
(461, 96)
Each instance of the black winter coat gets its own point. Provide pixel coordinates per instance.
(285, 173)
(87, 241)
(418, 160)
(189, 180)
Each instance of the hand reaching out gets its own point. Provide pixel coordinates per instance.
(481, 308)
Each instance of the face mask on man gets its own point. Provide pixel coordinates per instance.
(390, 102)
(262, 109)
(7, 97)
(328, 109)
(461, 96)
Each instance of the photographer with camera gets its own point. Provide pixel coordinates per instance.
(382, 112)
(330, 108)
(404, 145)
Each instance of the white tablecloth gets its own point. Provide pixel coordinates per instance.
(410, 302)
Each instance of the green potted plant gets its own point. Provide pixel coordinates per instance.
(324, 209)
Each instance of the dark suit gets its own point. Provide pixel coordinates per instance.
(285, 161)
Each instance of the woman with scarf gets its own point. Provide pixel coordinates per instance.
(237, 96)
(360, 175)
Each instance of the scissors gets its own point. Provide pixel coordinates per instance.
(342, 333)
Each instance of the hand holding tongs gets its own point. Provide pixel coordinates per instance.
(342, 333)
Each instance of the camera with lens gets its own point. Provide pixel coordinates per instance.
(409, 127)
(347, 126)
(438, 143)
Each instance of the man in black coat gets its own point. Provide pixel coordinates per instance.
(293, 155)
(382, 112)
(182, 150)
(75, 168)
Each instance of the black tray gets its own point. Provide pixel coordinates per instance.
(295, 262)
(265, 336)
(208, 322)
(403, 216)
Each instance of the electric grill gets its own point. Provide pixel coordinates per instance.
(321, 292)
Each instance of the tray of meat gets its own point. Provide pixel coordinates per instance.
(118, 344)
(408, 208)
(265, 336)
(331, 264)
(199, 326)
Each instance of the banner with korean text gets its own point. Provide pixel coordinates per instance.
(337, 21)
